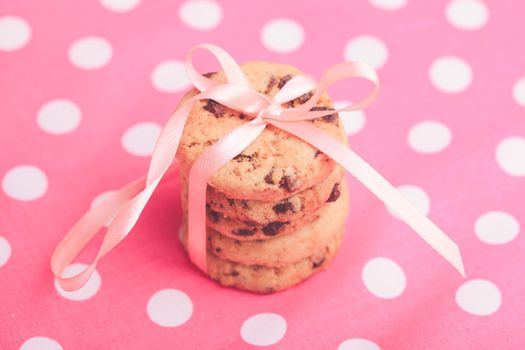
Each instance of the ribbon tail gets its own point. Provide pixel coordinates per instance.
(208, 162)
(380, 187)
(129, 203)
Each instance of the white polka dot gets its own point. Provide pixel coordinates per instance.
(99, 198)
(384, 278)
(282, 35)
(368, 49)
(5, 251)
(467, 14)
(450, 74)
(15, 33)
(25, 183)
(353, 121)
(388, 5)
(478, 297)
(87, 291)
(140, 139)
(518, 92)
(170, 76)
(263, 329)
(429, 137)
(358, 344)
(40, 343)
(510, 155)
(201, 14)
(90, 52)
(496, 227)
(416, 196)
(170, 308)
(59, 116)
(120, 5)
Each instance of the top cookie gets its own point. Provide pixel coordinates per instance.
(277, 164)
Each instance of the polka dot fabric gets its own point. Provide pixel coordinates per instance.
(86, 86)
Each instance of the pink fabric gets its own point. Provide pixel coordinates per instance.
(463, 181)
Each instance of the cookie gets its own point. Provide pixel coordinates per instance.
(287, 209)
(288, 249)
(249, 230)
(261, 279)
(277, 164)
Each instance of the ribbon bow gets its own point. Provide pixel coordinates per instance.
(127, 204)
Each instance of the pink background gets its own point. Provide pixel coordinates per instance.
(464, 179)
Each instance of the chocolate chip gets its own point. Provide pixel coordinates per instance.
(212, 214)
(209, 74)
(273, 81)
(234, 273)
(269, 178)
(244, 232)
(284, 80)
(215, 108)
(283, 207)
(317, 264)
(230, 201)
(329, 117)
(317, 153)
(334, 194)
(243, 157)
(303, 98)
(218, 250)
(288, 183)
(274, 227)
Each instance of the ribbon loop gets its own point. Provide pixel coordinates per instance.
(233, 72)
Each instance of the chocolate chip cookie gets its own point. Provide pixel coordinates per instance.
(262, 279)
(276, 165)
(287, 209)
(250, 230)
(288, 249)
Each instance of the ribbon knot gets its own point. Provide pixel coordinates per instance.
(237, 94)
(273, 111)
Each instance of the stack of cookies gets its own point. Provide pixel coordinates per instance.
(276, 212)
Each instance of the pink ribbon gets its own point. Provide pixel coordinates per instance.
(127, 204)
